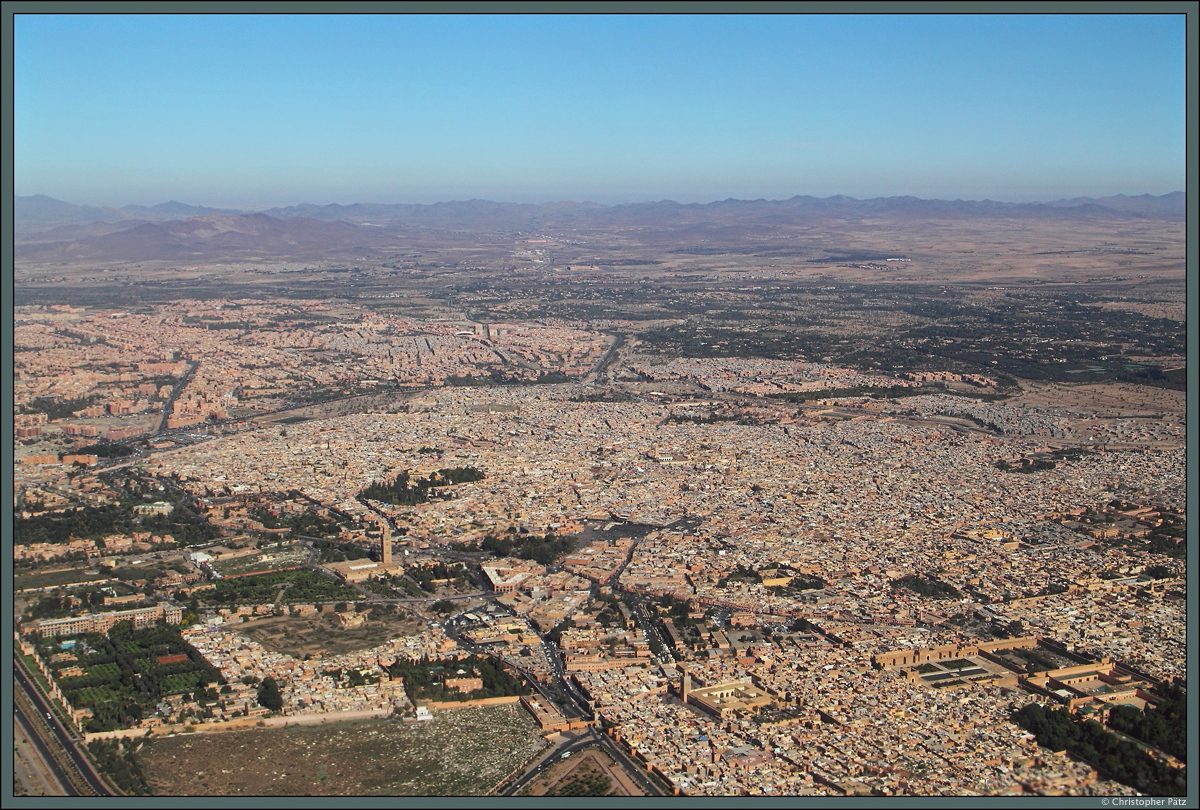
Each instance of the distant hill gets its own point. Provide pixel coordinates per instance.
(47, 211)
(38, 214)
(482, 213)
(216, 236)
(73, 231)
(167, 211)
(1167, 206)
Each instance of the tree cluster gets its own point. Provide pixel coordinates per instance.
(335, 551)
(106, 450)
(588, 784)
(927, 586)
(677, 610)
(301, 586)
(404, 490)
(58, 408)
(541, 549)
(124, 681)
(115, 758)
(740, 573)
(93, 522)
(1058, 729)
(58, 605)
(424, 576)
(269, 696)
(444, 606)
(425, 679)
(1164, 726)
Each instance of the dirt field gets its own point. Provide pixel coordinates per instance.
(1112, 400)
(321, 633)
(54, 577)
(462, 752)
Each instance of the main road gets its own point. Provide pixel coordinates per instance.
(34, 765)
(85, 781)
(169, 405)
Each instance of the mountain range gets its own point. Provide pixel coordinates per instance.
(47, 229)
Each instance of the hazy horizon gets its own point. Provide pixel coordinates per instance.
(566, 201)
(259, 111)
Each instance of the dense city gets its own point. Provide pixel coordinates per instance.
(737, 574)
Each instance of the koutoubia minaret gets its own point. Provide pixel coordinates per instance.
(386, 541)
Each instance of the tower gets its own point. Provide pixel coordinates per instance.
(385, 541)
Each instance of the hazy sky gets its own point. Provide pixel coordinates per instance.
(259, 110)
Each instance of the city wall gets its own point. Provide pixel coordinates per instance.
(459, 704)
(919, 655)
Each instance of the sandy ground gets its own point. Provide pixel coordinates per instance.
(1110, 400)
(31, 777)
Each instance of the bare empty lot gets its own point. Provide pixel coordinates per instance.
(321, 634)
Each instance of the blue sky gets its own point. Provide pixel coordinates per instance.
(253, 111)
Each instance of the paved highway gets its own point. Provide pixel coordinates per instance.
(90, 779)
(175, 392)
(34, 765)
